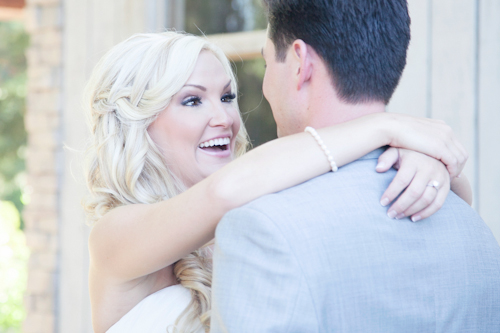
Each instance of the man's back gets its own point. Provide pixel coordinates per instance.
(324, 257)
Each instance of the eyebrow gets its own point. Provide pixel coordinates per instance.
(196, 86)
(203, 88)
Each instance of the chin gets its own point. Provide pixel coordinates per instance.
(210, 169)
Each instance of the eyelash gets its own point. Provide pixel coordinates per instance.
(191, 99)
(227, 98)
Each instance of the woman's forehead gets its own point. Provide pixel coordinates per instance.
(208, 70)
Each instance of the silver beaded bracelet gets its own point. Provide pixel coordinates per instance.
(322, 145)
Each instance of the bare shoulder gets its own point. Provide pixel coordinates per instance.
(111, 298)
(112, 232)
(114, 283)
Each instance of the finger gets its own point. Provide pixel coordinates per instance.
(434, 206)
(387, 160)
(451, 158)
(402, 179)
(464, 156)
(427, 198)
(445, 148)
(463, 150)
(455, 158)
(413, 193)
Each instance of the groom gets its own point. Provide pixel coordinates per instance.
(323, 256)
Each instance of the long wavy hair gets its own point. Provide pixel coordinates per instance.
(129, 87)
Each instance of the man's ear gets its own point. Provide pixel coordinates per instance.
(302, 62)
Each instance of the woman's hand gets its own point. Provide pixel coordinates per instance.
(429, 136)
(423, 181)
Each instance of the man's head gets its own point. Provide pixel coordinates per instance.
(362, 43)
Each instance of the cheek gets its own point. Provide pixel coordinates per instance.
(265, 84)
(175, 134)
(236, 122)
(158, 132)
(269, 88)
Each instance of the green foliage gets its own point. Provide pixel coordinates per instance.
(13, 250)
(13, 44)
(13, 269)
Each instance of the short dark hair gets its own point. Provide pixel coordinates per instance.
(363, 42)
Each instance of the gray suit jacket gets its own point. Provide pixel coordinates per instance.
(324, 257)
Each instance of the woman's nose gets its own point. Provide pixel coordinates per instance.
(221, 117)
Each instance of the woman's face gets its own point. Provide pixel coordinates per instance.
(197, 131)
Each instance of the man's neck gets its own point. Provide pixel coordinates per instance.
(328, 115)
(327, 110)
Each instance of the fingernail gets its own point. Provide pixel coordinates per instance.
(400, 216)
(384, 202)
(380, 165)
(392, 214)
(416, 218)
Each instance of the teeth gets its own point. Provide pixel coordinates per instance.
(215, 142)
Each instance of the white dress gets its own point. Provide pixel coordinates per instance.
(155, 313)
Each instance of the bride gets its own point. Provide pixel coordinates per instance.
(167, 160)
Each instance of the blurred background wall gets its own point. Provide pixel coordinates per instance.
(453, 74)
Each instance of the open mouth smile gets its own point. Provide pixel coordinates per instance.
(215, 145)
(219, 147)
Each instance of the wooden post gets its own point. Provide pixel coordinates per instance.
(413, 92)
(91, 28)
(489, 114)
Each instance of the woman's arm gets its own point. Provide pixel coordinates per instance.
(136, 240)
(461, 187)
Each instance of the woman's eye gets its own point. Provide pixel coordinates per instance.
(227, 98)
(191, 101)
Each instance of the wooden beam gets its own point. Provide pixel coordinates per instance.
(240, 45)
(12, 3)
(11, 14)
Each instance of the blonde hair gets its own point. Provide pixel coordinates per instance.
(129, 87)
